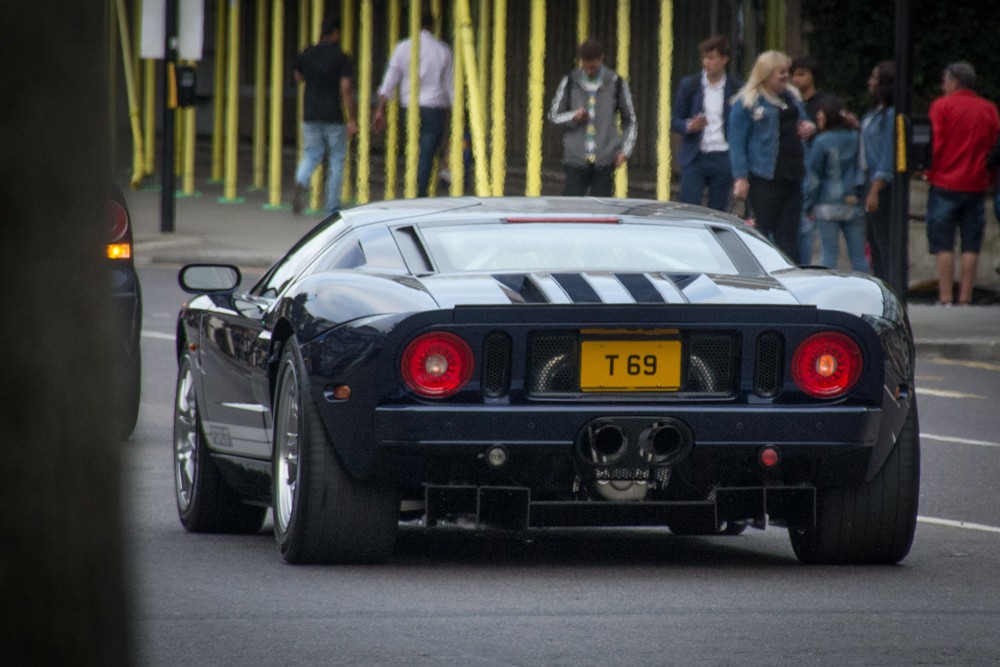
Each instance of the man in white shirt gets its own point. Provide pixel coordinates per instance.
(700, 112)
(436, 94)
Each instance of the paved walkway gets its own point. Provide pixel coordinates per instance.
(250, 235)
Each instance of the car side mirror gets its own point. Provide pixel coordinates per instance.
(209, 278)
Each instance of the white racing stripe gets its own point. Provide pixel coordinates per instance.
(960, 441)
(958, 524)
(156, 334)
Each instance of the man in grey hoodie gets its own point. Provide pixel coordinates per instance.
(585, 107)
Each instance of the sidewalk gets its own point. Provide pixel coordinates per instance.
(251, 236)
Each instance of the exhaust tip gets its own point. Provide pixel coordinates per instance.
(666, 442)
(603, 443)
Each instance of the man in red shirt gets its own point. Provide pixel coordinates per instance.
(965, 127)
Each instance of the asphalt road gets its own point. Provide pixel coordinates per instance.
(593, 597)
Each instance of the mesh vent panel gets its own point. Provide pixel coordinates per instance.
(768, 375)
(495, 376)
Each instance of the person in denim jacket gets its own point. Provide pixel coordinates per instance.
(832, 181)
(877, 161)
(767, 125)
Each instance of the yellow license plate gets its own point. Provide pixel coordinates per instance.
(630, 365)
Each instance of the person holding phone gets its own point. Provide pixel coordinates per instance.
(700, 110)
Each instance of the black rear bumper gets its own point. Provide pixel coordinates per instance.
(512, 508)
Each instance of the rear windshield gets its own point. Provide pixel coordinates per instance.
(572, 247)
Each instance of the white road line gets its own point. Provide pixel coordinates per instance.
(156, 334)
(960, 441)
(958, 524)
(946, 393)
(966, 364)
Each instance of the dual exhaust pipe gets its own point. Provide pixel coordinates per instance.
(634, 442)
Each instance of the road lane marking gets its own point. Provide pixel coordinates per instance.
(960, 441)
(946, 393)
(983, 365)
(958, 524)
(156, 334)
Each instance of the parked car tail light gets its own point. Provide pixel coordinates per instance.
(827, 365)
(437, 364)
(119, 240)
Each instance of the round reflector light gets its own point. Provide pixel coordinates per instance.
(118, 221)
(436, 364)
(827, 365)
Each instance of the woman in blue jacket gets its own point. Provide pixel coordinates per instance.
(766, 127)
(832, 186)
(877, 158)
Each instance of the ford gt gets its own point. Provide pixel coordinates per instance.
(525, 364)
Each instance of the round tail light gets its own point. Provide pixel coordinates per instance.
(436, 364)
(118, 218)
(827, 365)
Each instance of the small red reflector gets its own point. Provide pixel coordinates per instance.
(769, 457)
(613, 220)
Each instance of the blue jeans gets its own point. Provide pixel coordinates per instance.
(948, 210)
(708, 170)
(319, 138)
(854, 236)
(431, 131)
(807, 238)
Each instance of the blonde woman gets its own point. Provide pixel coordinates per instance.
(767, 125)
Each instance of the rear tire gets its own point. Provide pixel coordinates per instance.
(872, 523)
(321, 513)
(205, 502)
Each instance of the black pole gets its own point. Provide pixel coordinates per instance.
(899, 227)
(167, 68)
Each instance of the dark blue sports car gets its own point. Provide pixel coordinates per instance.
(531, 363)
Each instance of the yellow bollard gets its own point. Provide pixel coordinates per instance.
(413, 110)
(364, 120)
(219, 93)
(536, 98)
(187, 183)
(392, 113)
(347, 46)
(277, 102)
(138, 160)
(477, 116)
(316, 26)
(499, 153)
(229, 195)
(582, 21)
(621, 66)
(260, 98)
(456, 162)
(663, 157)
(149, 116)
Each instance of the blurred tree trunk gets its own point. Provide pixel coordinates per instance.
(62, 580)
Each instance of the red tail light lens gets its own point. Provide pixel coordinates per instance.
(118, 219)
(436, 364)
(827, 365)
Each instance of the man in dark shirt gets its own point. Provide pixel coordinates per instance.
(328, 74)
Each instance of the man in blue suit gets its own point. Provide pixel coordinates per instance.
(700, 113)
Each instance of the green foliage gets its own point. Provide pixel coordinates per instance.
(849, 37)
